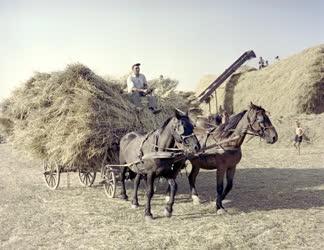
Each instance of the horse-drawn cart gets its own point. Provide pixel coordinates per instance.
(87, 173)
(111, 173)
(52, 174)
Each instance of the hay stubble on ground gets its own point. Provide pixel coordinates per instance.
(277, 202)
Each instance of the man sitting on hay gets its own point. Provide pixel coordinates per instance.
(138, 88)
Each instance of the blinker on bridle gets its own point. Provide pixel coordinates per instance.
(260, 121)
(180, 138)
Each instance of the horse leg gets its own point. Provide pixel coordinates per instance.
(149, 194)
(123, 194)
(229, 178)
(220, 180)
(173, 189)
(298, 145)
(167, 193)
(137, 181)
(192, 181)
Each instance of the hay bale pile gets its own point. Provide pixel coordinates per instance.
(70, 117)
(73, 116)
(288, 87)
(166, 89)
(6, 127)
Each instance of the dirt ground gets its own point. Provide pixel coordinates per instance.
(277, 202)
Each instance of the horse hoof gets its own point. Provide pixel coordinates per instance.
(195, 200)
(167, 213)
(123, 197)
(167, 198)
(148, 218)
(221, 211)
(134, 206)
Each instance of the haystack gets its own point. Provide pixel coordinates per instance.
(287, 87)
(70, 117)
(73, 117)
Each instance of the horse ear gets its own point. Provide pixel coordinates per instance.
(252, 105)
(179, 113)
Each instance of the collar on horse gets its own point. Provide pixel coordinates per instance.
(179, 139)
(141, 153)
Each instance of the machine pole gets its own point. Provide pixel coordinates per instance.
(216, 102)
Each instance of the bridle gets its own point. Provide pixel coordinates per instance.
(250, 127)
(180, 139)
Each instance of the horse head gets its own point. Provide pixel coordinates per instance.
(260, 124)
(183, 132)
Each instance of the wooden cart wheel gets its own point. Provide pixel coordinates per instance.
(110, 184)
(87, 177)
(51, 174)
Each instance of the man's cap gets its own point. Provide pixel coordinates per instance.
(136, 64)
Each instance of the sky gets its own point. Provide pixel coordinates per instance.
(183, 40)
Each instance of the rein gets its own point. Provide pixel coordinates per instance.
(257, 132)
(253, 132)
(168, 149)
(178, 139)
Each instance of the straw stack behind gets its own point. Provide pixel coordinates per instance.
(71, 117)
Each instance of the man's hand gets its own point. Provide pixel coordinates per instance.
(143, 91)
(139, 90)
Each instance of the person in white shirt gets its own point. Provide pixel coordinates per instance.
(299, 133)
(137, 87)
(225, 117)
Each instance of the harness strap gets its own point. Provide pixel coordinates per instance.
(209, 133)
(140, 155)
(156, 140)
(168, 149)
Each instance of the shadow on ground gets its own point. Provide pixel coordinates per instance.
(259, 189)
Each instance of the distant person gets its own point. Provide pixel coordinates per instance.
(161, 78)
(221, 109)
(225, 117)
(261, 62)
(299, 133)
(218, 119)
(266, 63)
(137, 87)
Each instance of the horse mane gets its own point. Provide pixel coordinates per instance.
(225, 130)
(165, 123)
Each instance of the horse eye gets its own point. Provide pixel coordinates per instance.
(181, 129)
(260, 118)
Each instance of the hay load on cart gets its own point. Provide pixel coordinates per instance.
(72, 119)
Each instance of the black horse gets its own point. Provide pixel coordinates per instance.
(176, 131)
(253, 121)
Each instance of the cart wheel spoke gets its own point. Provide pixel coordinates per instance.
(50, 181)
(110, 184)
(51, 174)
(87, 177)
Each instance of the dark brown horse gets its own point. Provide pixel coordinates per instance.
(177, 130)
(253, 121)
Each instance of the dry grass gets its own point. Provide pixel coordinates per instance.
(291, 86)
(276, 203)
(69, 117)
(72, 117)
